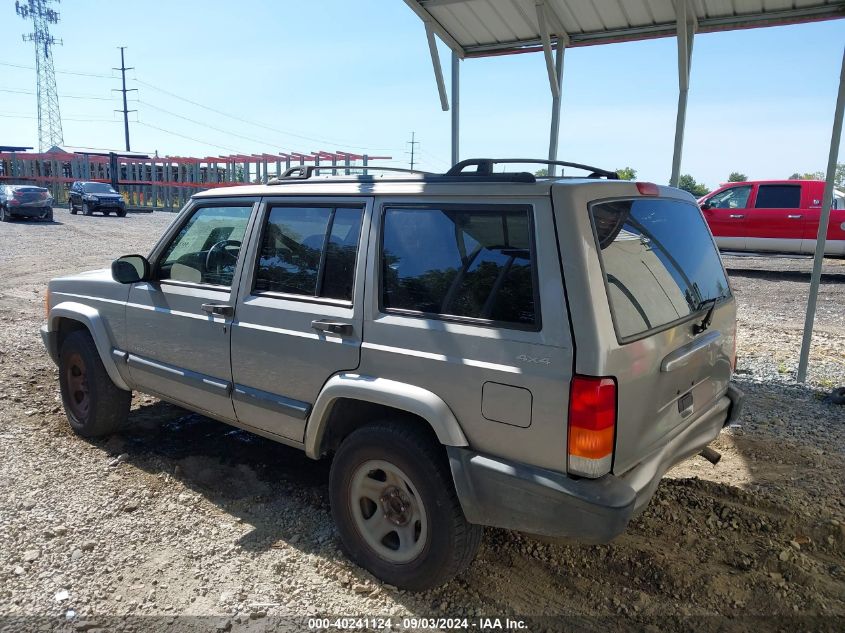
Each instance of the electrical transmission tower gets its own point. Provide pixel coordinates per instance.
(49, 118)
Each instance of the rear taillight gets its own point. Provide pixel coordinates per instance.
(592, 425)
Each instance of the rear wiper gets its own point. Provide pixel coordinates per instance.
(698, 328)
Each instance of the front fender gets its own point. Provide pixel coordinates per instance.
(390, 393)
(93, 321)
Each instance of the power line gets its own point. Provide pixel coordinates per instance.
(61, 72)
(190, 138)
(258, 124)
(16, 115)
(32, 92)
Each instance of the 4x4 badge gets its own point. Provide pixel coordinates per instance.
(531, 359)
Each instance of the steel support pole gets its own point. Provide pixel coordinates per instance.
(557, 100)
(824, 220)
(456, 106)
(686, 34)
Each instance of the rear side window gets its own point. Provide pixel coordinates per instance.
(659, 262)
(778, 197)
(468, 264)
(309, 251)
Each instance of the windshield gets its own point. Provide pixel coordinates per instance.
(659, 262)
(97, 187)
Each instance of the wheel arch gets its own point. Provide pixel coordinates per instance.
(70, 316)
(348, 400)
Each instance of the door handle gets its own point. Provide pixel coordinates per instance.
(220, 309)
(736, 215)
(794, 217)
(333, 327)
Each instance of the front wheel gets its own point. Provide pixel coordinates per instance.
(121, 213)
(5, 216)
(396, 509)
(86, 210)
(93, 403)
(71, 206)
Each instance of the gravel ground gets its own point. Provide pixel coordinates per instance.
(185, 516)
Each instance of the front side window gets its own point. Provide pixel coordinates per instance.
(476, 264)
(309, 251)
(778, 197)
(206, 249)
(733, 198)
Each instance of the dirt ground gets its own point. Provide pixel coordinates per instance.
(185, 516)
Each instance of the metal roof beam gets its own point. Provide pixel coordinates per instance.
(435, 62)
(545, 36)
(442, 33)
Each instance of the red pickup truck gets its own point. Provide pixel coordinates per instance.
(779, 216)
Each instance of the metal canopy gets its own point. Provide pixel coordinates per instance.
(476, 28)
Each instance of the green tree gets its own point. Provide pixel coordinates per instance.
(542, 173)
(737, 177)
(838, 175)
(627, 173)
(688, 183)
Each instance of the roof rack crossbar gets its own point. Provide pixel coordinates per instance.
(304, 172)
(485, 166)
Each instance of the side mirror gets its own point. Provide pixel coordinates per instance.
(705, 205)
(130, 268)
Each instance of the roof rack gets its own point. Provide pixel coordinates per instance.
(304, 172)
(459, 172)
(485, 166)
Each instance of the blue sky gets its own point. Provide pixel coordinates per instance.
(357, 77)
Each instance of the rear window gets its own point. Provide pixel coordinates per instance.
(778, 197)
(659, 262)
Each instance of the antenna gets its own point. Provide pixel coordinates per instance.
(413, 145)
(49, 117)
(126, 112)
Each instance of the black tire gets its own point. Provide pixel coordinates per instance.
(121, 213)
(86, 209)
(71, 206)
(450, 543)
(106, 212)
(5, 216)
(49, 216)
(107, 406)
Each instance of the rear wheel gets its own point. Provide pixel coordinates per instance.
(71, 206)
(106, 212)
(396, 509)
(48, 217)
(5, 216)
(93, 403)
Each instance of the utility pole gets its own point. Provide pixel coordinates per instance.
(49, 117)
(126, 112)
(413, 145)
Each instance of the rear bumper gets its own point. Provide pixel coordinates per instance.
(516, 496)
(29, 212)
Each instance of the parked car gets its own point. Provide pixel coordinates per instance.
(773, 215)
(25, 201)
(95, 196)
(472, 348)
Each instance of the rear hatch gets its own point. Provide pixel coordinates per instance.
(662, 320)
(30, 196)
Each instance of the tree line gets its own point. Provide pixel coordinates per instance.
(698, 189)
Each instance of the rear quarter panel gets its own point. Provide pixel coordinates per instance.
(455, 360)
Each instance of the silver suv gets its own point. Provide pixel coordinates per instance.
(470, 348)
